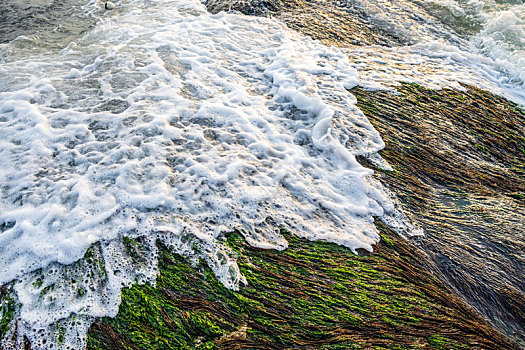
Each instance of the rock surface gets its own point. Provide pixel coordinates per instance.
(313, 295)
(459, 172)
(459, 161)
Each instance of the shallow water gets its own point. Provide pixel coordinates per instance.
(49, 23)
(158, 120)
(476, 42)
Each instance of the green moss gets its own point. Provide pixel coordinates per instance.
(38, 282)
(89, 253)
(133, 248)
(441, 342)
(60, 333)
(387, 240)
(46, 290)
(7, 311)
(517, 195)
(482, 148)
(311, 295)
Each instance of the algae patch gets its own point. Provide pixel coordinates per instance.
(313, 295)
(7, 311)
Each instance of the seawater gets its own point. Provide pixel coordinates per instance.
(158, 120)
(445, 43)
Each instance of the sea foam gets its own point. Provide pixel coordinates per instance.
(448, 43)
(166, 122)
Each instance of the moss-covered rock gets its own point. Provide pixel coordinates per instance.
(313, 295)
(459, 166)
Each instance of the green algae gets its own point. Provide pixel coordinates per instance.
(313, 295)
(7, 311)
(46, 290)
(60, 333)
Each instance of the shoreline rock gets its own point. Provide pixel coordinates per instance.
(459, 161)
(313, 295)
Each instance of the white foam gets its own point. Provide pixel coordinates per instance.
(435, 65)
(503, 40)
(167, 122)
(488, 49)
(407, 22)
(488, 52)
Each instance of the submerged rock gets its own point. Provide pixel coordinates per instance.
(459, 165)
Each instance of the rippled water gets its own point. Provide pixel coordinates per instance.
(49, 23)
(158, 120)
(443, 42)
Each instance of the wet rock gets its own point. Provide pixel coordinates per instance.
(459, 165)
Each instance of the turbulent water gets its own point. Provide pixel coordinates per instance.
(446, 42)
(158, 120)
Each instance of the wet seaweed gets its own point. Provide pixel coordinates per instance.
(458, 170)
(313, 295)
